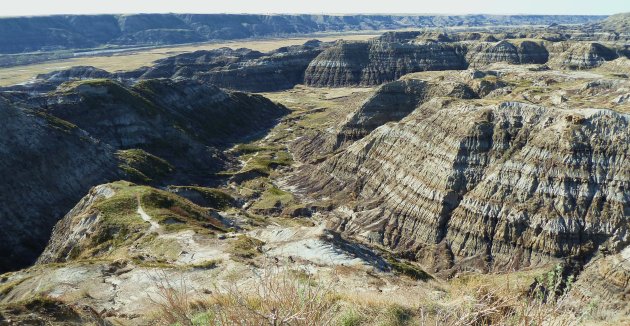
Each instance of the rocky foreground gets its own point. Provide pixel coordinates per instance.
(472, 178)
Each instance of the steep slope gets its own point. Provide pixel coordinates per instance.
(277, 70)
(619, 23)
(377, 62)
(47, 165)
(583, 56)
(116, 221)
(240, 69)
(604, 283)
(90, 132)
(394, 101)
(513, 184)
(523, 52)
(182, 122)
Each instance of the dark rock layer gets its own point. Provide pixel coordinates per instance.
(513, 184)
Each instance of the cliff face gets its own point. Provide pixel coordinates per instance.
(91, 132)
(583, 56)
(394, 101)
(280, 69)
(605, 282)
(377, 62)
(47, 165)
(513, 184)
(182, 122)
(524, 52)
(46, 33)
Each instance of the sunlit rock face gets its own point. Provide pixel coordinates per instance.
(376, 62)
(517, 184)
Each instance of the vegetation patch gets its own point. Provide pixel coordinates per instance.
(273, 198)
(211, 197)
(57, 123)
(408, 269)
(141, 166)
(246, 247)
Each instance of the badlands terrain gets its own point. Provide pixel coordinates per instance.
(431, 176)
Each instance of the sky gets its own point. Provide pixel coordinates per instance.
(50, 7)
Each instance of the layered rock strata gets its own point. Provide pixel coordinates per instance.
(515, 184)
(47, 165)
(376, 62)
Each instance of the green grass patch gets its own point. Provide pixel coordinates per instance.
(273, 197)
(120, 224)
(408, 269)
(208, 264)
(57, 123)
(141, 166)
(245, 247)
(214, 198)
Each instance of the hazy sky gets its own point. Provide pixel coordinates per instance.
(48, 7)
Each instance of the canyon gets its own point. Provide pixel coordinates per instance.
(411, 171)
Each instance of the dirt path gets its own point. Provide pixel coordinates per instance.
(154, 225)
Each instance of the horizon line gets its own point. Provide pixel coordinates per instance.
(305, 13)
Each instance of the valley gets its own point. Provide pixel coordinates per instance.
(417, 177)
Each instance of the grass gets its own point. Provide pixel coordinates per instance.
(215, 198)
(281, 296)
(57, 123)
(120, 225)
(208, 264)
(275, 297)
(245, 247)
(265, 162)
(273, 197)
(408, 269)
(141, 166)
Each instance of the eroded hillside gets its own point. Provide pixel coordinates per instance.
(416, 178)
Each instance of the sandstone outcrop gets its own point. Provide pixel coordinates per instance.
(377, 62)
(604, 284)
(518, 185)
(583, 56)
(520, 53)
(394, 101)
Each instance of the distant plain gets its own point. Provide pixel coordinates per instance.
(134, 59)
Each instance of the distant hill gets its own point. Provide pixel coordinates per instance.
(50, 33)
(618, 23)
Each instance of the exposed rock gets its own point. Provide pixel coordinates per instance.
(166, 130)
(376, 62)
(604, 284)
(618, 23)
(394, 101)
(47, 165)
(110, 217)
(280, 69)
(523, 52)
(583, 56)
(74, 73)
(181, 122)
(513, 183)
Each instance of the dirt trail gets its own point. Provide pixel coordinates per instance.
(154, 225)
